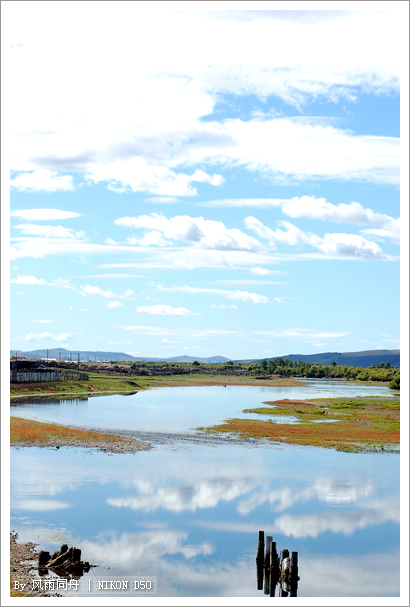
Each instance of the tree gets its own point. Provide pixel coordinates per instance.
(263, 364)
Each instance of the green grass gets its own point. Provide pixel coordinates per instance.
(358, 424)
(104, 382)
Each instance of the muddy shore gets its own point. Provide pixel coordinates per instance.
(23, 559)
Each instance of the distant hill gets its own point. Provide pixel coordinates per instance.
(357, 359)
(86, 355)
(347, 359)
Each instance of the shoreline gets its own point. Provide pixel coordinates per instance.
(29, 433)
(22, 556)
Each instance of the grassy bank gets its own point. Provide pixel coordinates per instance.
(345, 424)
(100, 382)
(29, 433)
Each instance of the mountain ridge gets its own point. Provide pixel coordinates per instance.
(364, 358)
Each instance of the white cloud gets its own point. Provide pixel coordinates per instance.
(224, 306)
(28, 280)
(42, 180)
(194, 230)
(113, 304)
(61, 337)
(43, 214)
(50, 231)
(313, 208)
(162, 199)
(348, 246)
(292, 236)
(94, 290)
(142, 146)
(351, 245)
(237, 295)
(301, 334)
(259, 271)
(164, 310)
(44, 322)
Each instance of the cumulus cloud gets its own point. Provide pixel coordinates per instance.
(113, 304)
(340, 245)
(236, 295)
(43, 214)
(28, 280)
(310, 207)
(50, 231)
(164, 310)
(202, 232)
(61, 337)
(42, 180)
(259, 271)
(143, 146)
(351, 245)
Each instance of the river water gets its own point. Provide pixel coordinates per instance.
(189, 510)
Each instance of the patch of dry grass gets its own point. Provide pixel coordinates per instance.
(29, 433)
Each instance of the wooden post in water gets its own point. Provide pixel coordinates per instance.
(294, 564)
(267, 551)
(266, 580)
(261, 541)
(285, 563)
(273, 558)
(259, 575)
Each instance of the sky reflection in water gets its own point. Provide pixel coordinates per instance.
(190, 514)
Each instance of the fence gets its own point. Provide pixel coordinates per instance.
(45, 375)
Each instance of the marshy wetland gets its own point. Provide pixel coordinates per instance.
(189, 509)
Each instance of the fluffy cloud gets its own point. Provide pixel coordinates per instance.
(202, 232)
(236, 295)
(142, 142)
(311, 208)
(43, 214)
(50, 231)
(95, 290)
(42, 180)
(61, 337)
(111, 305)
(136, 174)
(345, 246)
(259, 271)
(164, 310)
(28, 280)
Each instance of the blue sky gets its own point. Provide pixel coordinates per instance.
(205, 182)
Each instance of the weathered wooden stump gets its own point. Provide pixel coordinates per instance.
(268, 544)
(261, 542)
(273, 557)
(43, 558)
(294, 564)
(259, 575)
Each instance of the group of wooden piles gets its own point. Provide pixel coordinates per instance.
(63, 562)
(273, 568)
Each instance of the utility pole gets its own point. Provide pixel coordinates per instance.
(47, 354)
(79, 362)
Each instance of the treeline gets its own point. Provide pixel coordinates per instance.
(282, 367)
(287, 368)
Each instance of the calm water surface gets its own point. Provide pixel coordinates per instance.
(190, 513)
